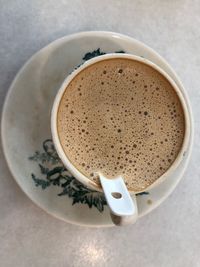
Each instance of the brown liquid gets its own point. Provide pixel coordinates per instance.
(121, 117)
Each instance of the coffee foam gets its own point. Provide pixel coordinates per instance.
(121, 117)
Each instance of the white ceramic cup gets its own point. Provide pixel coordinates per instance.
(118, 218)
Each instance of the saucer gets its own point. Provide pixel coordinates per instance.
(26, 134)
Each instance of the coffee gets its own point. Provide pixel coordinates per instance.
(121, 117)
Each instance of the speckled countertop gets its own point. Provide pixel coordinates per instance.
(169, 236)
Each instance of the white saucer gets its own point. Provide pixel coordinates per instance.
(26, 130)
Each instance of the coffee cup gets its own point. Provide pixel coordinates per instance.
(123, 207)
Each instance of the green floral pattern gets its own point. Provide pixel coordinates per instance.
(55, 174)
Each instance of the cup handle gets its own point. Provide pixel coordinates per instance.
(123, 208)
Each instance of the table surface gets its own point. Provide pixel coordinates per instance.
(169, 236)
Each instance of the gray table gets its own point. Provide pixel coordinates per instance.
(169, 236)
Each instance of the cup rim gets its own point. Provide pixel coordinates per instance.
(68, 164)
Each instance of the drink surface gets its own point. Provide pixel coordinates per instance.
(121, 117)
